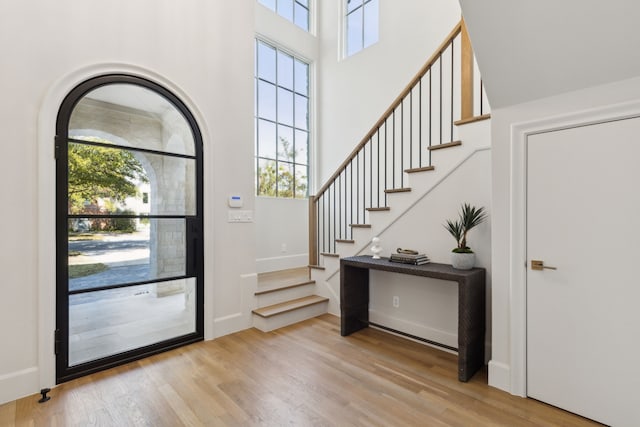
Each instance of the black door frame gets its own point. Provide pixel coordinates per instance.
(194, 237)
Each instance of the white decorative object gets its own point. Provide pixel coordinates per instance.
(463, 261)
(376, 248)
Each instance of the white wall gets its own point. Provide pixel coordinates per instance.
(350, 94)
(282, 230)
(429, 307)
(200, 49)
(355, 91)
(505, 209)
(285, 221)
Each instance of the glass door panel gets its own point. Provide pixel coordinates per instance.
(129, 225)
(150, 120)
(105, 323)
(116, 180)
(154, 248)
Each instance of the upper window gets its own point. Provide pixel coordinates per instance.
(361, 25)
(296, 11)
(282, 123)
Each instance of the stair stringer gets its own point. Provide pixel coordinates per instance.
(476, 138)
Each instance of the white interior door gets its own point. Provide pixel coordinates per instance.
(583, 319)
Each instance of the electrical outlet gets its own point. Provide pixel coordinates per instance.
(283, 248)
(396, 301)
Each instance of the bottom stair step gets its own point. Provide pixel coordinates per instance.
(286, 313)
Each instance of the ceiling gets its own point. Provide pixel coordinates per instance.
(528, 50)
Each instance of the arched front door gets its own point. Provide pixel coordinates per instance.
(129, 241)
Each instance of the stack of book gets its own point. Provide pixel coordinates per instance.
(415, 259)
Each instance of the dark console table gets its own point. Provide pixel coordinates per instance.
(354, 302)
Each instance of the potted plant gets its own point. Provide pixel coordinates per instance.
(462, 257)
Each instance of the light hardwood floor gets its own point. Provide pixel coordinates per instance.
(301, 375)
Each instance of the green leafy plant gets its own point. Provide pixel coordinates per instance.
(470, 216)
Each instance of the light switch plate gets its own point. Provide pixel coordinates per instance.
(240, 216)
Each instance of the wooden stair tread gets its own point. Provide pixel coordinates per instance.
(360, 225)
(287, 306)
(472, 119)
(345, 241)
(445, 145)
(316, 267)
(283, 287)
(330, 254)
(397, 190)
(383, 208)
(422, 169)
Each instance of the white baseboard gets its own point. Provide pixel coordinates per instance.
(264, 265)
(500, 376)
(16, 385)
(241, 319)
(229, 324)
(422, 331)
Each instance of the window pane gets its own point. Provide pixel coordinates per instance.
(301, 181)
(266, 139)
(301, 145)
(285, 70)
(371, 23)
(354, 32)
(266, 100)
(301, 15)
(353, 4)
(302, 77)
(271, 4)
(130, 115)
(282, 127)
(266, 177)
(305, 3)
(105, 181)
(285, 107)
(129, 317)
(285, 143)
(113, 251)
(266, 62)
(285, 179)
(302, 112)
(285, 9)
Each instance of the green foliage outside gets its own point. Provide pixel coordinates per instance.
(101, 173)
(107, 174)
(281, 182)
(118, 224)
(82, 270)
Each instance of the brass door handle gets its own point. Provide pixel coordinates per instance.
(539, 265)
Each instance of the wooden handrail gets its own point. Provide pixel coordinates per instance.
(425, 68)
(331, 229)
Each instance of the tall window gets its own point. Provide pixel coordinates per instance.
(282, 123)
(296, 11)
(361, 25)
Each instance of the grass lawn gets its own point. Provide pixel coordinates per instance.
(82, 270)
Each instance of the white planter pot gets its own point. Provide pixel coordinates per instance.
(463, 261)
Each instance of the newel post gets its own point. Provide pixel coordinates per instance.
(313, 236)
(466, 64)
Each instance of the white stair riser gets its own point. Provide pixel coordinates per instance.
(283, 295)
(330, 262)
(267, 324)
